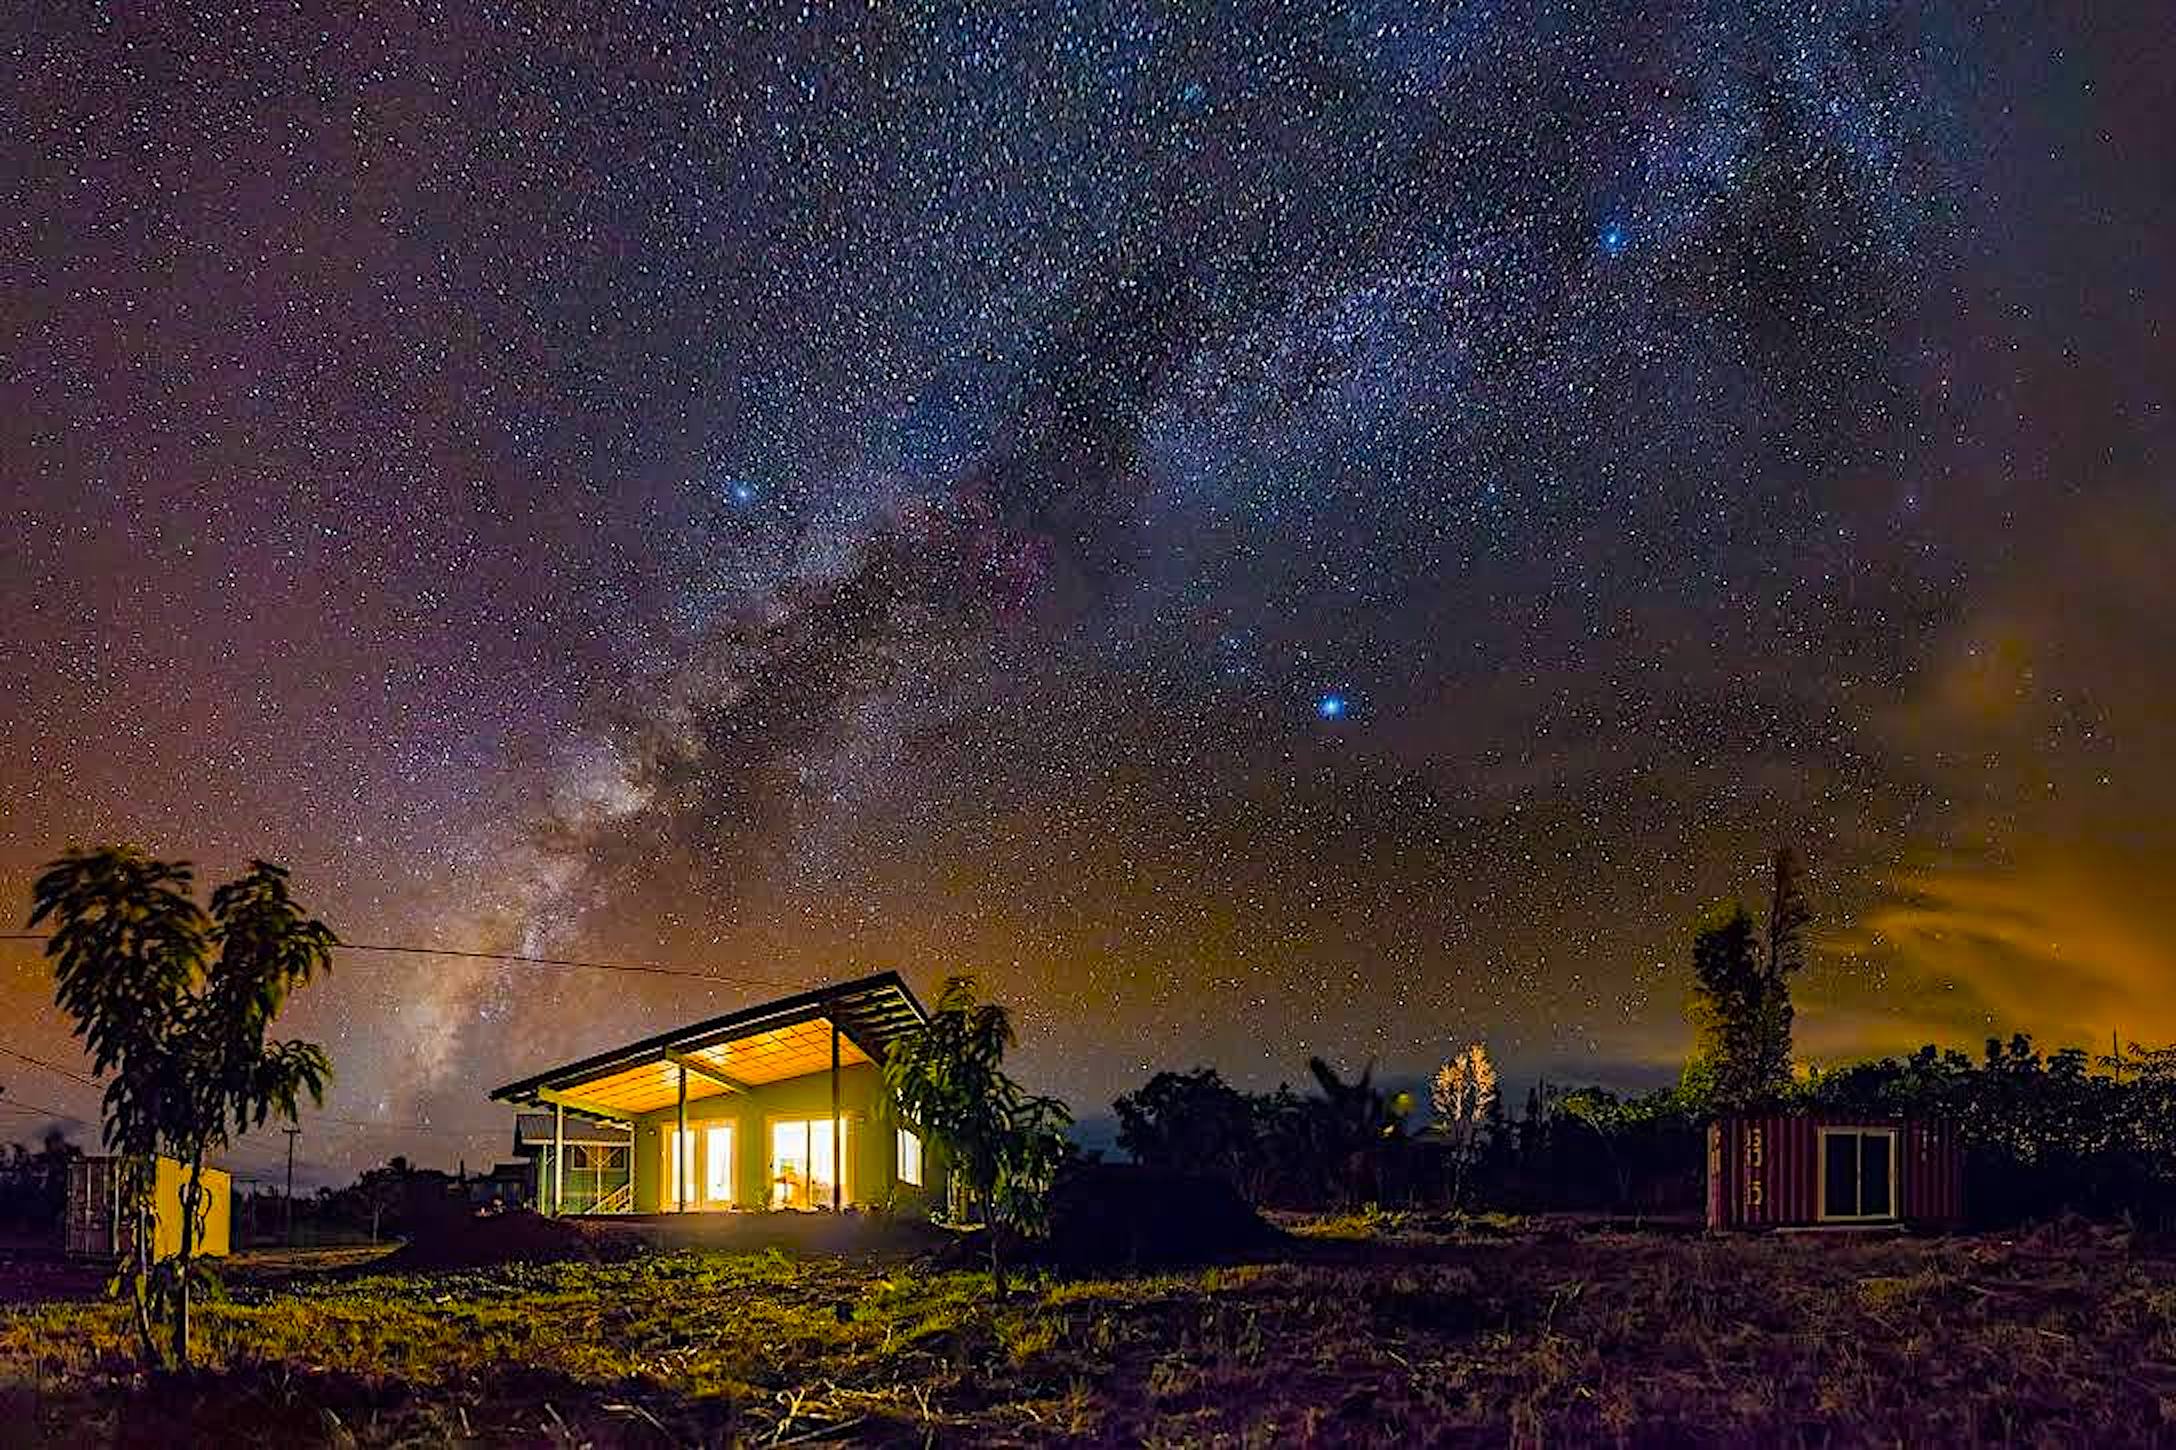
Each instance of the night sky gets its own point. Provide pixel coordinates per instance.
(1257, 530)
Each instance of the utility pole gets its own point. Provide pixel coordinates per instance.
(292, 1133)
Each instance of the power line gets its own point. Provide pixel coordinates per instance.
(653, 969)
(51, 1067)
(20, 1106)
(385, 1125)
(230, 1152)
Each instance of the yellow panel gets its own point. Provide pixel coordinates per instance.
(781, 1053)
(168, 1178)
(643, 1088)
(761, 1057)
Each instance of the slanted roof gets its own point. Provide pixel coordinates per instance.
(769, 1042)
(582, 1131)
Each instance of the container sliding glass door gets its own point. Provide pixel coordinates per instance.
(1858, 1174)
(801, 1159)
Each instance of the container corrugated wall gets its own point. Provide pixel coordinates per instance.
(1764, 1170)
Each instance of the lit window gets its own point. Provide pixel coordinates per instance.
(718, 1166)
(801, 1159)
(910, 1158)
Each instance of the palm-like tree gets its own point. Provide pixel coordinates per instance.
(1350, 1127)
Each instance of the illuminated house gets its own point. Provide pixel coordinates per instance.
(774, 1106)
(1811, 1170)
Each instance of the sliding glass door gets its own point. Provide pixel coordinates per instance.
(707, 1159)
(801, 1159)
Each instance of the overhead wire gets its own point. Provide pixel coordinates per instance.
(524, 959)
(521, 959)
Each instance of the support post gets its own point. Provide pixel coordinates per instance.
(288, 1202)
(559, 1159)
(838, 1124)
(680, 1150)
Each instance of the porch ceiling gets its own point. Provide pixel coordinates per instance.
(772, 1055)
(762, 1044)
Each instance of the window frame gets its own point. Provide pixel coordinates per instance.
(907, 1147)
(1896, 1193)
(674, 1154)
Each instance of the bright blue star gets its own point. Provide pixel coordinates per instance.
(1332, 706)
(1615, 239)
(743, 491)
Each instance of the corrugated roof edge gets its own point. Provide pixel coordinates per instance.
(804, 1003)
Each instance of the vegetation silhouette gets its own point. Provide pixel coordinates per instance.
(946, 1080)
(175, 1004)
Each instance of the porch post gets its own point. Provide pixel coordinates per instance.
(838, 1124)
(559, 1159)
(680, 1152)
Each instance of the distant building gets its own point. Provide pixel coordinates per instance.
(98, 1225)
(1800, 1170)
(506, 1186)
(774, 1106)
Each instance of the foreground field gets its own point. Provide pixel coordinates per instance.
(1354, 1335)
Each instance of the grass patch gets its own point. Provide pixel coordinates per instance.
(1607, 1339)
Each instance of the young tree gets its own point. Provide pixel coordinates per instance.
(175, 1005)
(1463, 1095)
(1788, 917)
(1729, 1009)
(947, 1081)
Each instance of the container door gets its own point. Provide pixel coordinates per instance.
(90, 1218)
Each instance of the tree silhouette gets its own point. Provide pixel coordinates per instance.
(1349, 1128)
(1741, 1006)
(1195, 1122)
(176, 1004)
(1728, 1007)
(1788, 917)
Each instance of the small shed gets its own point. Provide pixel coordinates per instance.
(1811, 1170)
(97, 1228)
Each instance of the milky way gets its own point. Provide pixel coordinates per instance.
(1258, 530)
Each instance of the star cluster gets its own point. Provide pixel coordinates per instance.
(1257, 529)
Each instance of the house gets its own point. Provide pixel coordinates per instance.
(98, 1227)
(1809, 1170)
(775, 1106)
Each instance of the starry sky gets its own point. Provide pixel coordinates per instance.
(1258, 530)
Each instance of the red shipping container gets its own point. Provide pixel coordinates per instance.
(1793, 1170)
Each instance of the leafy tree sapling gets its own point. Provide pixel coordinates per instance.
(175, 1004)
(947, 1081)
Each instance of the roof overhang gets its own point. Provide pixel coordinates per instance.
(578, 1130)
(766, 1043)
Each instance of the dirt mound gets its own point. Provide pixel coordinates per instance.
(1123, 1216)
(475, 1241)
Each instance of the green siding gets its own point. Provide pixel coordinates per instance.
(871, 1142)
